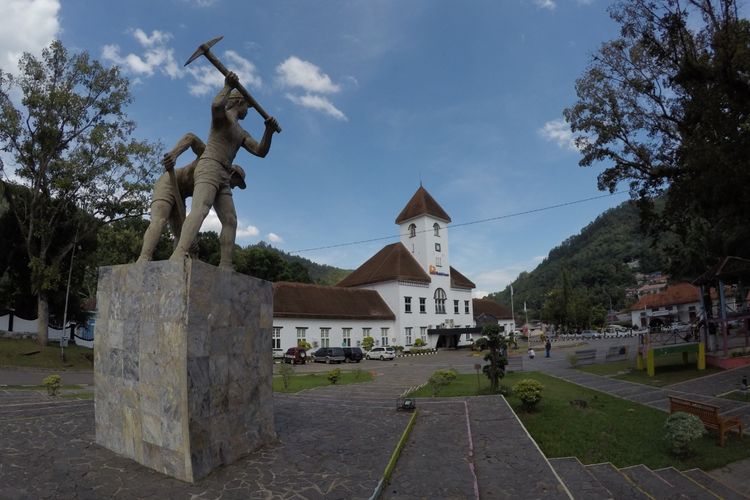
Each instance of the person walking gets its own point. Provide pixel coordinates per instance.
(547, 348)
(531, 353)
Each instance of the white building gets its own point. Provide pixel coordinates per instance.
(407, 290)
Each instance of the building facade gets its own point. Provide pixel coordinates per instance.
(406, 291)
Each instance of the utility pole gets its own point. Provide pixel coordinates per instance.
(67, 294)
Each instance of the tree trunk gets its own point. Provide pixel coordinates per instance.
(42, 319)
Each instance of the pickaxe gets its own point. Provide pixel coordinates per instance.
(205, 50)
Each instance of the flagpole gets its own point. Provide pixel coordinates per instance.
(512, 311)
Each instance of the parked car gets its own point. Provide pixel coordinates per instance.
(295, 356)
(353, 354)
(590, 334)
(278, 354)
(381, 353)
(329, 355)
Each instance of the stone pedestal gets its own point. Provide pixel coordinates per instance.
(183, 365)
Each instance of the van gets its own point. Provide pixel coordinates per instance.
(329, 355)
(295, 356)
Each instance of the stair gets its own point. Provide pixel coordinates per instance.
(638, 482)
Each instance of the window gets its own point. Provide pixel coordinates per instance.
(407, 305)
(440, 299)
(423, 333)
(407, 334)
(468, 337)
(277, 337)
(455, 307)
(466, 307)
(301, 335)
(436, 228)
(384, 336)
(423, 305)
(366, 332)
(346, 334)
(437, 247)
(438, 261)
(325, 337)
(412, 230)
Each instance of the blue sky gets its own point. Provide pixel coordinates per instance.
(372, 96)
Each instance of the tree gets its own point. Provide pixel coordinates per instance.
(666, 107)
(496, 360)
(71, 143)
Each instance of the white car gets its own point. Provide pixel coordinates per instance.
(381, 353)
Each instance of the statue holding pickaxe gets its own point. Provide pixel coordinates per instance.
(214, 169)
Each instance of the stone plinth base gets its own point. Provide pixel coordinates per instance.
(182, 365)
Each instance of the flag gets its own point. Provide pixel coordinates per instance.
(511, 290)
(524, 306)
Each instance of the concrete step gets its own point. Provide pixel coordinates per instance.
(580, 482)
(617, 483)
(687, 487)
(652, 484)
(713, 484)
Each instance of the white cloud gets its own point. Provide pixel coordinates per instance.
(274, 238)
(157, 56)
(318, 103)
(244, 232)
(207, 78)
(558, 131)
(546, 4)
(212, 223)
(499, 278)
(294, 72)
(28, 26)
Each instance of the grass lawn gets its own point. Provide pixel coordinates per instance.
(669, 370)
(301, 382)
(14, 352)
(610, 429)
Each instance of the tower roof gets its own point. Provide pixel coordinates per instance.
(422, 203)
(392, 262)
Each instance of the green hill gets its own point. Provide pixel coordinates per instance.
(321, 274)
(601, 262)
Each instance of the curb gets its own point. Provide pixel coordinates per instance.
(394, 458)
(416, 354)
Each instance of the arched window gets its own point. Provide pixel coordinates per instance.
(412, 230)
(440, 298)
(436, 227)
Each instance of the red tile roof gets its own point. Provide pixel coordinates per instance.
(392, 263)
(420, 204)
(490, 307)
(458, 280)
(300, 300)
(680, 293)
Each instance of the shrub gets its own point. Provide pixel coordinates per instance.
(529, 392)
(440, 379)
(286, 371)
(304, 345)
(572, 359)
(419, 343)
(680, 430)
(398, 348)
(52, 383)
(334, 375)
(367, 343)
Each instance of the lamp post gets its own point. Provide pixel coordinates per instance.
(67, 294)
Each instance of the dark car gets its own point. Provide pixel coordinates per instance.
(295, 356)
(353, 354)
(329, 355)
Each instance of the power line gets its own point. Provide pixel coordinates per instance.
(479, 221)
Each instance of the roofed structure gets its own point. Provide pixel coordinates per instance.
(301, 300)
(680, 293)
(392, 263)
(458, 280)
(491, 308)
(422, 203)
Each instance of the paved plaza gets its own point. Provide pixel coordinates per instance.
(334, 441)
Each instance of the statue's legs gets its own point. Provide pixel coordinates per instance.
(203, 197)
(159, 213)
(224, 206)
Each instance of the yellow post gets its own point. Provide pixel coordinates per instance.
(650, 368)
(701, 356)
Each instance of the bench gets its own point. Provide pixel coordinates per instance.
(586, 356)
(617, 353)
(708, 414)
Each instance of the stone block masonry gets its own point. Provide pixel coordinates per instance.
(183, 365)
